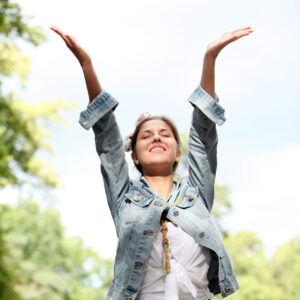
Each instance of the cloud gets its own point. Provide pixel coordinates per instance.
(266, 196)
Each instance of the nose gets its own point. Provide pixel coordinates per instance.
(156, 137)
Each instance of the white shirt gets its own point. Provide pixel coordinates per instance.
(189, 263)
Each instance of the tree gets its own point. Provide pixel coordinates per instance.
(13, 27)
(286, 268)
(23, 126)
(46, 263)
(252, 268)
(7, 273)
(22, 135)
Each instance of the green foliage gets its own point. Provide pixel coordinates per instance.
(23, 133)
(252, 288)
(261, 278)
(46, 263)
(16, 144)
(247, 254)
(13, 27)
(13, 62)
(184, 162)
(286, 268)
(223, 203)
(24, 127)
(184, 138)
(37, 261)
(13, 24)
(7, 267)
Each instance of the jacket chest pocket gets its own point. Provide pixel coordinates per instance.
(190, 199)
(136, 207)
(187, 198)
(138, 199)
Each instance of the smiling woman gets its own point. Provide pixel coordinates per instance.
(169, 247)
(163, 131)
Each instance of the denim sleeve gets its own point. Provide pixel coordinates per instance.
(109, 145)
(203, 141)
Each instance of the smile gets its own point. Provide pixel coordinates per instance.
(157, 149)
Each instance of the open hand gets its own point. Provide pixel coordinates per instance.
(215, 47)
(81, 54)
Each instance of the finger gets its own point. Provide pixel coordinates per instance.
(54, 28)
(231, 37)
(62, 35)
(242, 28)
(243, 33)
(59, 32)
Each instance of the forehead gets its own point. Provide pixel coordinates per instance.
(155, 124)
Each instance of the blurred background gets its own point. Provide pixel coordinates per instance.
(57, 239)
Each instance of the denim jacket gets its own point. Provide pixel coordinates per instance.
(137, 210)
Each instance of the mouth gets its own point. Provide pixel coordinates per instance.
(157, 148)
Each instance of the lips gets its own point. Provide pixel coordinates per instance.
(157, 148)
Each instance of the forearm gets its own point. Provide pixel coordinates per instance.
(212, 51)
(92, 82)
(208, 74)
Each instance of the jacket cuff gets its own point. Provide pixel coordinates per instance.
(101, 105)
(208, 105)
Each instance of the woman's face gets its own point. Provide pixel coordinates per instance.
(156, 148)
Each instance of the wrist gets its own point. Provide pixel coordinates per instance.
(86, 63)
(210, 56)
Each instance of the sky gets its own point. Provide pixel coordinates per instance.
(148, 55)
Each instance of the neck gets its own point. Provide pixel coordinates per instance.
(162, 185)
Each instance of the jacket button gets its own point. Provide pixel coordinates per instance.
(227, 289)
(201, 234)
(176, 213)
(191, 197)
(136, 198)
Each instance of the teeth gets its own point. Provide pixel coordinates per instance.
(157, 149)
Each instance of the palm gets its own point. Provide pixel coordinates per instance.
(226, 38)
(73, 45)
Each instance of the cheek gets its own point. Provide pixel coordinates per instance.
(175, 147)
(139, 148)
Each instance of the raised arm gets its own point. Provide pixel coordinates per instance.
(100, 116)
(207, 112)
(91, 79)
(212, 52)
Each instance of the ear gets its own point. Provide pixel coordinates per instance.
(178, 155)
(134, 158)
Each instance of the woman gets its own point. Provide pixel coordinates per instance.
(169, 247)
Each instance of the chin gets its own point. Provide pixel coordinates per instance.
(159, 167)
